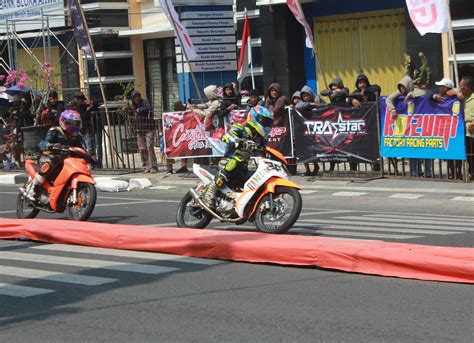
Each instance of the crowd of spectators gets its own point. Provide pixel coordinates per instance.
(18, 114)
(220, 102)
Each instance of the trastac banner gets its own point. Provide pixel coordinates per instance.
(423, 129)
(337, 134)
(188, 135)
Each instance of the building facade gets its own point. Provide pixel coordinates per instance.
(366, 36)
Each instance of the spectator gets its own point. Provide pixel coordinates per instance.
(467, 96)
(254, 100)
(295, 99)
(228, 103)
(336, 92)
(210, 108)
(19, 116)
(55, 108)
(98, 126)
(145, 126)
(81, 105)
(277, 102)
(364, 92)
(445, 88)
(406, 89)
(309, 101)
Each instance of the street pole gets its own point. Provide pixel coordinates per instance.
(101, 86)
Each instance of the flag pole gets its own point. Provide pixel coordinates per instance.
(453, 45)
(250, 54)
(316, 57)
(110, 136)
(183, 51)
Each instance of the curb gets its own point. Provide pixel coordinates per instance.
(13, 179)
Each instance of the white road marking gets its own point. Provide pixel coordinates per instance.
(5, 212)
(447, 219)
(22, 291)
(373, 227)
(365, 234)
(125, 253)
(434, 223)
(406, 196)
(136, 203)
(382, 223)
(463, 199)
(55, 276)
(165, 188)
(161, 224)
(396, 213)
(13, 193)
(307, 192)
(348, 194)
(326, 212)
(87, 263)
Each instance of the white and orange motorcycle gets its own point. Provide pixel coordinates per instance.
(265, 197)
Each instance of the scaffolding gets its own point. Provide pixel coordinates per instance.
(12, 40)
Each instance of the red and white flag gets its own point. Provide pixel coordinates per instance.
(180, 30)
(429, 15)
(295, 8)
(245, 59)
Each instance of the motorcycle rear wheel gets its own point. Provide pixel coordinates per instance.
(87, 197)
(281, 218)
(24, 208)
(193, 217)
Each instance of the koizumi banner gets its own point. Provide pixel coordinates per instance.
(25, 15)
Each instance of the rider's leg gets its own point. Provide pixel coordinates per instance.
(225, 172)
(47, 166)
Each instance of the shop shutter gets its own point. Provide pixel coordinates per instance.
(373, 45)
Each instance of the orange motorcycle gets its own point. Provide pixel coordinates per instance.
(72, 190)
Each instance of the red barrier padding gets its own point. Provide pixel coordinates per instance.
(412, 261)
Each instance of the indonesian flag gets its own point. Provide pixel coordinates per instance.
(245, 59)
(429, 15)
(180, 31)
(295, 8)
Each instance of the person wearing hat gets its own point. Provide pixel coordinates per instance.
(445, 92)
(445, 85)
(145, 126)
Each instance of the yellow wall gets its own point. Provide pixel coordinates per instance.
(135, 23)
(370, 43)
(26, 62)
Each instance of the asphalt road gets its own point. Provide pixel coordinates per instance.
(57, 294)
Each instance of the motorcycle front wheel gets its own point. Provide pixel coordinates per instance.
(86, 199)
(24, 208)
(189, 215)
(279, 213)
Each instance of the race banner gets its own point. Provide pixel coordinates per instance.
(188, 135)
(337, 134)
(423, 129)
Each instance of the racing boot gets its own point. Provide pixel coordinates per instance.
(34, 188)
(209, 196)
